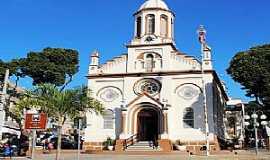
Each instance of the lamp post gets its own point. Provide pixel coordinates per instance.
(253, 120)
(202, 39)
(79, 127)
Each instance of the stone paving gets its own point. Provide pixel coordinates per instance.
(170, 156)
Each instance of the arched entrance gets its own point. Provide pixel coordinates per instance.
(147, 124)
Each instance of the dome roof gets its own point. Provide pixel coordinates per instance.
(154, 4)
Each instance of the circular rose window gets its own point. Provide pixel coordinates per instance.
(188, 92)
(150, 86)
(109, 94)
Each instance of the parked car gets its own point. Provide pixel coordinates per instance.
(65, 143)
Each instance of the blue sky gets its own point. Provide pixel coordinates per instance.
(86, 25)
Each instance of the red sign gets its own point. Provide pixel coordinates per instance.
(35, 121)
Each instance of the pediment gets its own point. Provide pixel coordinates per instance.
(145, 98)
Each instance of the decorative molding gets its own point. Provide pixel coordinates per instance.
(186, 78)
(104, 81)
(142, 95)
(163, 73)
(153, 9)
(151, 45)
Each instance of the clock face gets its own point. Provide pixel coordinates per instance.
(150, 86)
(109, 94)
(188, 92)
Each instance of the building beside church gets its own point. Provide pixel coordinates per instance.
(154, 92)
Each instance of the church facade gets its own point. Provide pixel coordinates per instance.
(155, 92)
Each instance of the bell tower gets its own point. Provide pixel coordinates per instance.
(154, 23)
(153, 40)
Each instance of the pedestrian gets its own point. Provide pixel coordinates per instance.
(45, 146)
(8, 151)
(50, 146)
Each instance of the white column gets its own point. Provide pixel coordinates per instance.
(157, 24)
(135, 27)
(124, 124)
(169, 25)
(143, 25)
(165, 125)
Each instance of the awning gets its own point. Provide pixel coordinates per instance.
(11, 131)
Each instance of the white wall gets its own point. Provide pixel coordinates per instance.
(95, 131)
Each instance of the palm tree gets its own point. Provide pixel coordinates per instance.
(17, 112)
(61, 105)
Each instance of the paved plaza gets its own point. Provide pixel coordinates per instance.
(242, 155)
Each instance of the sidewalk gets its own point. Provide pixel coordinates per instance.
(71, 155)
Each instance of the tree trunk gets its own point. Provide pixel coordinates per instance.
(59, 140)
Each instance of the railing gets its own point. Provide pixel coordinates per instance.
(131, 140)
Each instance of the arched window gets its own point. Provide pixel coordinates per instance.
(164, 26)
(149, 62)
(188, 118)
(139, 27)
(150, 24)
(108, 118)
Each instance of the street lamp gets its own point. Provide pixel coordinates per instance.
(202, 39)
(79, 128)
(253, 120)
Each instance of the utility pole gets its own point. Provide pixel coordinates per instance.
(202, 39)
(3, 102)
(79, 139)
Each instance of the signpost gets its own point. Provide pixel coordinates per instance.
(34, 122)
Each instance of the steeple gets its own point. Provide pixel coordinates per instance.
(93, 67)
(154, 23)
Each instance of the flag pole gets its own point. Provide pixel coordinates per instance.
(202, 39)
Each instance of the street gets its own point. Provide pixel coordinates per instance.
(242, 155)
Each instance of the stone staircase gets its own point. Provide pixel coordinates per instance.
(143, 146)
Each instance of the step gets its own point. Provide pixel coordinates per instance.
(142, 149)
(135, 147)
(137, 144)
(143, 146)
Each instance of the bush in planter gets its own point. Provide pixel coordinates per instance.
(180, 145)
(178, 142)
(109, 142)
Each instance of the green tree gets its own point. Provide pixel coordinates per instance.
(251, 69)
(14, 67)
(56, 66)
(52, 65)
(2, 70)
(60, 105)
